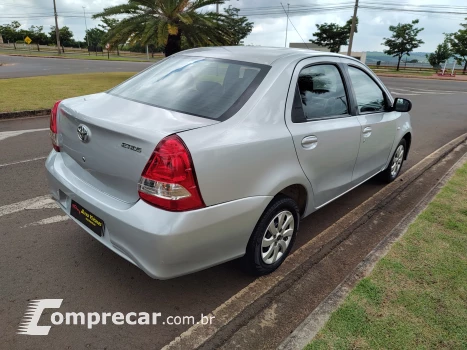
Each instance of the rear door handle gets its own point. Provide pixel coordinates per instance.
(310, 142)
(367, 131)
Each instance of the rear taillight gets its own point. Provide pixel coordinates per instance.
(168, 180)
(53, 126)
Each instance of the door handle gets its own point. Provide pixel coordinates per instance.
(310, 142)
(367, 132)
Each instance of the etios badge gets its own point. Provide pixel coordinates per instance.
(83, 133)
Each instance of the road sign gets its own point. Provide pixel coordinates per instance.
(107, 46)
(27, 40)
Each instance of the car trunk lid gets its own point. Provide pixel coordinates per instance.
(121, 136)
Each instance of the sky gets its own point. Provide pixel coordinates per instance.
(268, 30)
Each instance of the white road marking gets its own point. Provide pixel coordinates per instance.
(406, 91)
(403, 93)
(418, 92)
(6, 134)
(22, 161)
(51, 220)
(433, 90)
(42, 202)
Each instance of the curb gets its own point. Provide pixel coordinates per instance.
(419, 77)
(23, 114)
(34, 56)
(264, 287)
(317, 319)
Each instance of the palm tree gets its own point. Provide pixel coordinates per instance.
(165, 22)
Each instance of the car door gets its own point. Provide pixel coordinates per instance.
(326, 136)
(378, 122)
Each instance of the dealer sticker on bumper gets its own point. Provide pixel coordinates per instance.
(87, 218)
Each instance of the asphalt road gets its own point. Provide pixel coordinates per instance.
(44, 258)
(17, 66)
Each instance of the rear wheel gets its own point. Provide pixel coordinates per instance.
(394, 167)
(273, 237)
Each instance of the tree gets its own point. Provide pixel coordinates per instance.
(165, 22)
(440, 55)
(458, 41)
(107, 25)
(403, 40)
(37, 36)
(240, 26)
(10, 32)
(95, 37)
(66, 36)
(332, 35)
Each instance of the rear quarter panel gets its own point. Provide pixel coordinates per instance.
(252, 153)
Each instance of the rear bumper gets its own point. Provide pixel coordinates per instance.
(163, 244)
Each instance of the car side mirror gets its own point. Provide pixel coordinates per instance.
(402, 105)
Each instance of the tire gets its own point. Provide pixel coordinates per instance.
(260, 260)
(397, 160)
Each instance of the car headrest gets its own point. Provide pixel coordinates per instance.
(305, 83)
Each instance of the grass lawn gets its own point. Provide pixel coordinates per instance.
(416, 297)
(21, 94)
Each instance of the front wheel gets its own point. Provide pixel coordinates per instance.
(273, 237)
(394, 167)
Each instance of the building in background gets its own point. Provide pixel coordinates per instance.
(361, 56)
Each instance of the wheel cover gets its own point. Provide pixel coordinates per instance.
(277, 237)
(397, 161)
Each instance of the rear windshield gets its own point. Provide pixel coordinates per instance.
(205, 87)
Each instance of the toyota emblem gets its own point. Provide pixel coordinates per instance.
(83, 133)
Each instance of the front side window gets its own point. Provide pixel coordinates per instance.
(322, 92)
(370, 97)
(205, 87)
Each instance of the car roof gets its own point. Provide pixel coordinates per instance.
(256, 54)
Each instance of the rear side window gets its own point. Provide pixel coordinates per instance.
(322, 92)
(205, 87)
(370, 97)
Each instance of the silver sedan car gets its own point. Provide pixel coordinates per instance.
(216, 153)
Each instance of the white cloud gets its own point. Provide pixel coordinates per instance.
(258, 28)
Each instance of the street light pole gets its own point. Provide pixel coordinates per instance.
(86, 25)
(287, 25)
(352, 30)
(57, 31)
